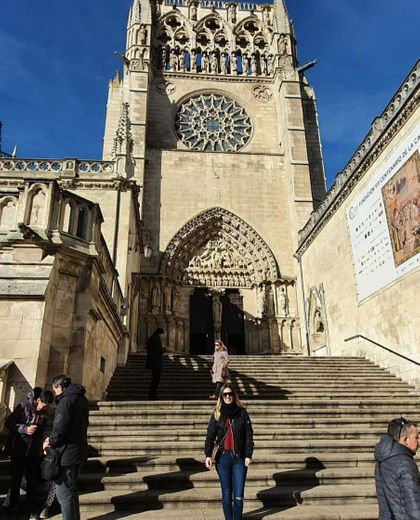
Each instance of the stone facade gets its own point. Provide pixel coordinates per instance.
(62, 308)
(335, 313)
(225, 144)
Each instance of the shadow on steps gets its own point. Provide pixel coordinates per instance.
(289, 486)
(181, 375)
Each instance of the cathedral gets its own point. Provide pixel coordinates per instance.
(223, 137)
(204, 216)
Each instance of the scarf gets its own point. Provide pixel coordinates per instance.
(230, 411)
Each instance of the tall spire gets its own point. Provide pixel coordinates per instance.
(281, 20)
(135, 13)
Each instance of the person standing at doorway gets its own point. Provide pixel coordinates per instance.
(154, 360)
(220, 367)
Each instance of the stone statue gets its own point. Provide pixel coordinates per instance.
(264, 69)
(204, 63)
(193, 59)
(233, 64)
(156, 297)
(144, 302)
(182, 62)
(254, 65)
(176, 299)
(282, 296)
(223, 63)
(167, 296)
(231, 13)
(266, 16)
(173, 61)
(142, 35)
(270, 65)
(318, 324)
(193, 11)
(260, 301)
(213, 64)
(282, 45)
(164, 58)
(270, 302)
(245, 65)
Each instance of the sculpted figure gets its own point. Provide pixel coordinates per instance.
(156, 296)
(182, 62)
(193, 11)
(176, 300)
(223, 63)
(193, 64)
(231, 13)
(173, 61)
(213, 64)
(282, 44)
(164, 58)
(204, 63)
(264, 68)
(282, 301)
(270, 65)
(233, 64)
(254, 65)
(167, 294)
(261, 301)
(217, 311)
(266, 16)
(245, 65)
(270, 302)
(142, 35)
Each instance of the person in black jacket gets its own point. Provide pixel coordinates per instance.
(26, 425)
(154, 360)
(230, 426)
(396, 474)
(69, 435)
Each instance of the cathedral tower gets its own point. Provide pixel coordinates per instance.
(225, 146)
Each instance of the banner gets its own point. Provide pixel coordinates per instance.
(384, 220)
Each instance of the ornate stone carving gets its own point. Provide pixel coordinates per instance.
(218, 249)
(165, 87)
(262, 93)
(211, 122)
(282, 301)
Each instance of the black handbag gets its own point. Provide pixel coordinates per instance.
(50, 465)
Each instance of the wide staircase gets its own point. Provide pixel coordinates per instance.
(316, 421)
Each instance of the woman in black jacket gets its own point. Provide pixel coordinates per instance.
(230, 426)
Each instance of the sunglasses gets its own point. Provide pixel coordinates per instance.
(227, 394)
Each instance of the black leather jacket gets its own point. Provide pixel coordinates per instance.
(397, 481)
(242, 434)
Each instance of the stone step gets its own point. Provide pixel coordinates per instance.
(202, 478)
(148, 447)
(341, 512)
(210, 496)
(262, 434)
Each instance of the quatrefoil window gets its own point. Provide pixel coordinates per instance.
(213, 123)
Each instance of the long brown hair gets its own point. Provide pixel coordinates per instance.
(218, 408)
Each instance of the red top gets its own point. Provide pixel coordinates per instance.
(228, 444)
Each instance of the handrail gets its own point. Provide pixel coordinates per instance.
(382, 346)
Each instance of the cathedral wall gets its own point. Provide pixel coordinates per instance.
(250, 186)
(389, 316)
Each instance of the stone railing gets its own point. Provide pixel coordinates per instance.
(220, 4)
(58, 166)
(345, 180)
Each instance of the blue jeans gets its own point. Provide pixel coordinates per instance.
(232, 474)
(67, 492)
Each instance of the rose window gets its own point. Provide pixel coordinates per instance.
(213, 123)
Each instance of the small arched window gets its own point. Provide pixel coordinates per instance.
(82, 222)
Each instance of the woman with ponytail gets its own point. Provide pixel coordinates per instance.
(231, 428)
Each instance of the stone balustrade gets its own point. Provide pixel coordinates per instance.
(66, 167)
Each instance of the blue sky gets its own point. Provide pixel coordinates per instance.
(57, 57)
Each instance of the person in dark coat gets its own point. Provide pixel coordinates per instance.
(230, 426)
(26, 425)
(154, 360)
(397, 476)
(69, 435)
